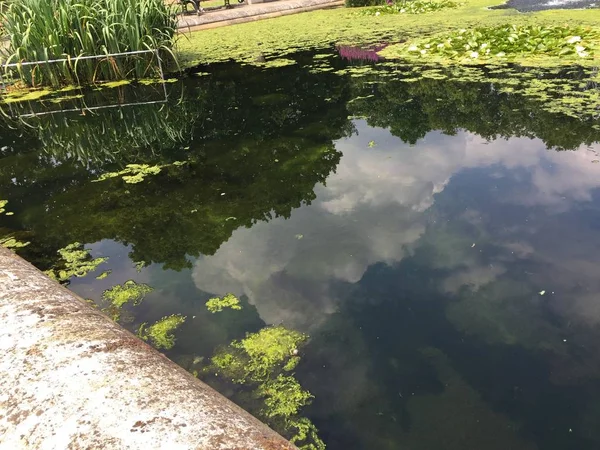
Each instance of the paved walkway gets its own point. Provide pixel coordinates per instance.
(246, 13)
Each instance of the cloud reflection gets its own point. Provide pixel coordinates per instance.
(375, 209)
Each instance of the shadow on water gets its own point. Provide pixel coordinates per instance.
(409, 347)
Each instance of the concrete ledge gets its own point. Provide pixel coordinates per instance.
(253, 12)
(74, 379)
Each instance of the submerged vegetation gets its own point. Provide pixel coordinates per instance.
(160, 334)
(128, 292)
(264, 362)
(75, 261)
(218, 304)
(43, 30)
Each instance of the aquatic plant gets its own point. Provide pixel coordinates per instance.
(283, 396)
(75, 261)
(12, 243)
(132, 174)
(42, 30)
(8, 240)
(324, 28)
(136, 173)
(263, 362)
(507, 41)
(259, 355)
(217, 304)
(409, 7)
(118, 296)
(160, 333)
(128, 292)
(104, 274)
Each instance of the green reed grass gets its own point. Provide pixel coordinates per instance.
(42, 30)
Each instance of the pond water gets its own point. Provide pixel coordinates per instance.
(435, 233)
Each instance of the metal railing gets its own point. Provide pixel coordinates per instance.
(75, 60)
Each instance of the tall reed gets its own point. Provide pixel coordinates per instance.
(42, 30)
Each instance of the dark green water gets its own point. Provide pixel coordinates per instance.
(437, 238)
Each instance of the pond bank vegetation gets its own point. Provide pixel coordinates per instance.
(43, 30)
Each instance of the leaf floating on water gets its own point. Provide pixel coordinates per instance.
(299, 236)
(372, 144)
(542, 292)
(473, 245)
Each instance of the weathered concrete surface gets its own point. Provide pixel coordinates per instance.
(70, 378)
(246, 13)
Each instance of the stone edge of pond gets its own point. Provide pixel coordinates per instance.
(248, 13)
(73, 378)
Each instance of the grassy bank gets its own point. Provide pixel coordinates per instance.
(319, 29)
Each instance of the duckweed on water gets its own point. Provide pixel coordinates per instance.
(75, 261)
(136, 173)
(321, 29)
(160, 334)
(217, 304)
(132, 174)
(410, 7)
(9, 241)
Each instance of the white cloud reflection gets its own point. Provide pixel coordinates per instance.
(373, 209)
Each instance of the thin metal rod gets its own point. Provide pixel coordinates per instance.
(92, 108)
(162, 75)
(76, 58)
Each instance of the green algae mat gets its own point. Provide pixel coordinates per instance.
(274, 38)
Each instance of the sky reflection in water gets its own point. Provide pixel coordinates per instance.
(450, 287)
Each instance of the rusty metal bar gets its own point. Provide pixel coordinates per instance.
(72, 378)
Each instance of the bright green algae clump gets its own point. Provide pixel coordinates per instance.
(160, 334)
(218, 304)
(75, 261)
(118, 296)
(128, 292)
(264, 362)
